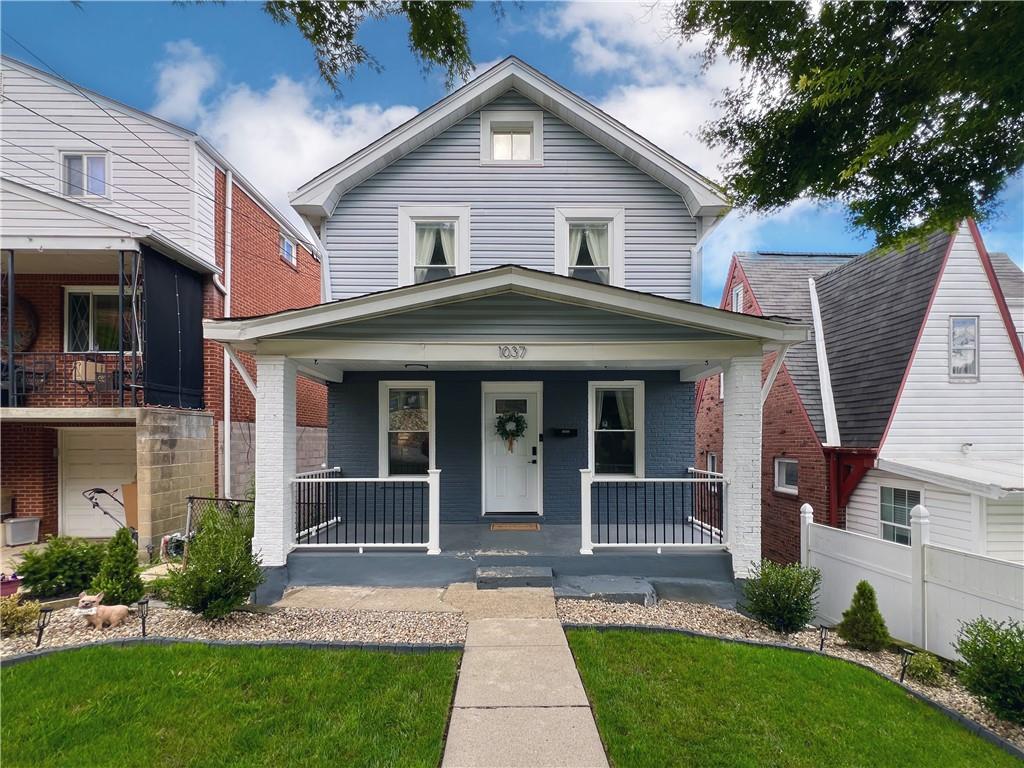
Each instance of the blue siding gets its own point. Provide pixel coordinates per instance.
(669, 428)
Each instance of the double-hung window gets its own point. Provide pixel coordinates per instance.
(963, 348)
(589, 244)
(894, 509)
(617, 428)
(786, 475)
(433, 242)
(406, 427)
(84, 174)
(91, 321)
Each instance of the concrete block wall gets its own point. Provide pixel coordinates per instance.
(742, 461)
(310, 453)
(174, 460)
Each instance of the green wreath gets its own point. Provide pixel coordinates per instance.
(510, 427)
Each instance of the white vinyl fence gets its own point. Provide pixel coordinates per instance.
(924, 591)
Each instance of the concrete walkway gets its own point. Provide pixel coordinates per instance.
(519, 701)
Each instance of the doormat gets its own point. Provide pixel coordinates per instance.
(515, 526)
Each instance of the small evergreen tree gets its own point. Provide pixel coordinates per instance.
(119, 579)
(863, 626)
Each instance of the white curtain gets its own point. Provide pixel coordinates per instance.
(623, 403)
(597, 244)
(448, 243)
(575, 238)
(425, 236)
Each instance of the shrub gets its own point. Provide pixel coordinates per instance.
(782, 596)
(925, 668)
(65, 566)
(863, 626)
(993, 665)
(16, 617)
(119, 579)
(221, 570)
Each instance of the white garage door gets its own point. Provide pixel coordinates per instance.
(94, 458)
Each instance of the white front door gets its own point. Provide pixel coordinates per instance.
(512, 476)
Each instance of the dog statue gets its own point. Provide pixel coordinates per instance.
(101, 616)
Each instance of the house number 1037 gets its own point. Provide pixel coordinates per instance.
(512, 351)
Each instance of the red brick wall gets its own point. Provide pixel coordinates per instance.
(786, 433)
(28, 468)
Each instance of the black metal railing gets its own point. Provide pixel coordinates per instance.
(71, 380)
(657, 512)
(360, 512)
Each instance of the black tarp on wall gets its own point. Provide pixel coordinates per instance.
(172, 333)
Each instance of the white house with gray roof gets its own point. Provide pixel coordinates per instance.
(511, 337)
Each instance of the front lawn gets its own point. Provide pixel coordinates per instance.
(668, 699)
(191, 705)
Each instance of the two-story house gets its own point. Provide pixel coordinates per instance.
(119, 233)
(910, 391)
(512, 335)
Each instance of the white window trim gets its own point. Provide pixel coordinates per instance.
(737, 298)
(93, 290)
(382, 422)
(86, 194)
(964, 377)
(779, 484)
(878, 513)
(712, 458)
(638, 417)
(721, 385)
(492, 118)
(294, 261)
(615, 218)
(409, 216)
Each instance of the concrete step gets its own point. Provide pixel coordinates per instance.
(513, 576)
(610, 588)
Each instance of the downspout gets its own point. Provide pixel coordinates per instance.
(120, 327)
(228, 183)
(12, 390)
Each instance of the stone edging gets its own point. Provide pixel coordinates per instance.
(971, 725)
(307, 644)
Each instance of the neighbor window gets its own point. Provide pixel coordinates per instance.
(513, 137)
(85, 174)
(894, 508)
(407, 427)
(91, 320)
(435, 250)
(712, 462)
(786, 472)
(588, 252)
(963, 347)
(617, 410)
(737, 298)
(287, 248)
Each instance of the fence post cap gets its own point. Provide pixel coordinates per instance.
(433, 471)
(919, 513)
(806, 510)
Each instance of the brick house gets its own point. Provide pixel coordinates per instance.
(832, 402)
(120, 233)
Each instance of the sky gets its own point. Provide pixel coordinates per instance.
(251, 87)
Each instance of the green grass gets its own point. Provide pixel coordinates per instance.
(191, 705)
(671, 700)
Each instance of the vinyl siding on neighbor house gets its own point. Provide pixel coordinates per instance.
(935, 416)
(1004, 528)
(953, 524)
(668, 441)
(513, 217)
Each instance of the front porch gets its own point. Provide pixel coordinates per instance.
(600, 382)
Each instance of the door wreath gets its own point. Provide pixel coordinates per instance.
(510, 427)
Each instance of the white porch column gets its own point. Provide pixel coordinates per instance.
(275, 457)
(741, 461)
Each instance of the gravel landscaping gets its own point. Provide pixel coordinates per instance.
(389, 627)
(712, 620)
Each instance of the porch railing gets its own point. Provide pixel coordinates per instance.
(654, 513)
(71, 380)
(367, 512)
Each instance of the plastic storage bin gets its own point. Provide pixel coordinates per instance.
(21, 530)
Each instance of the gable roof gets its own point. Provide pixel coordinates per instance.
(779, 284)
(872, 309)
(318, 197)
(503, 280)
(105, 102)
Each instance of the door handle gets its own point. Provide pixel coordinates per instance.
(533, 461)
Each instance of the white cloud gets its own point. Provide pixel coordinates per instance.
(278, 137)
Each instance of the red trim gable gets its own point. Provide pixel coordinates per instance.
(997, 290)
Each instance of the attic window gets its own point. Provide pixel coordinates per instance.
(85, 175)
(963, 348)
(511, 137)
